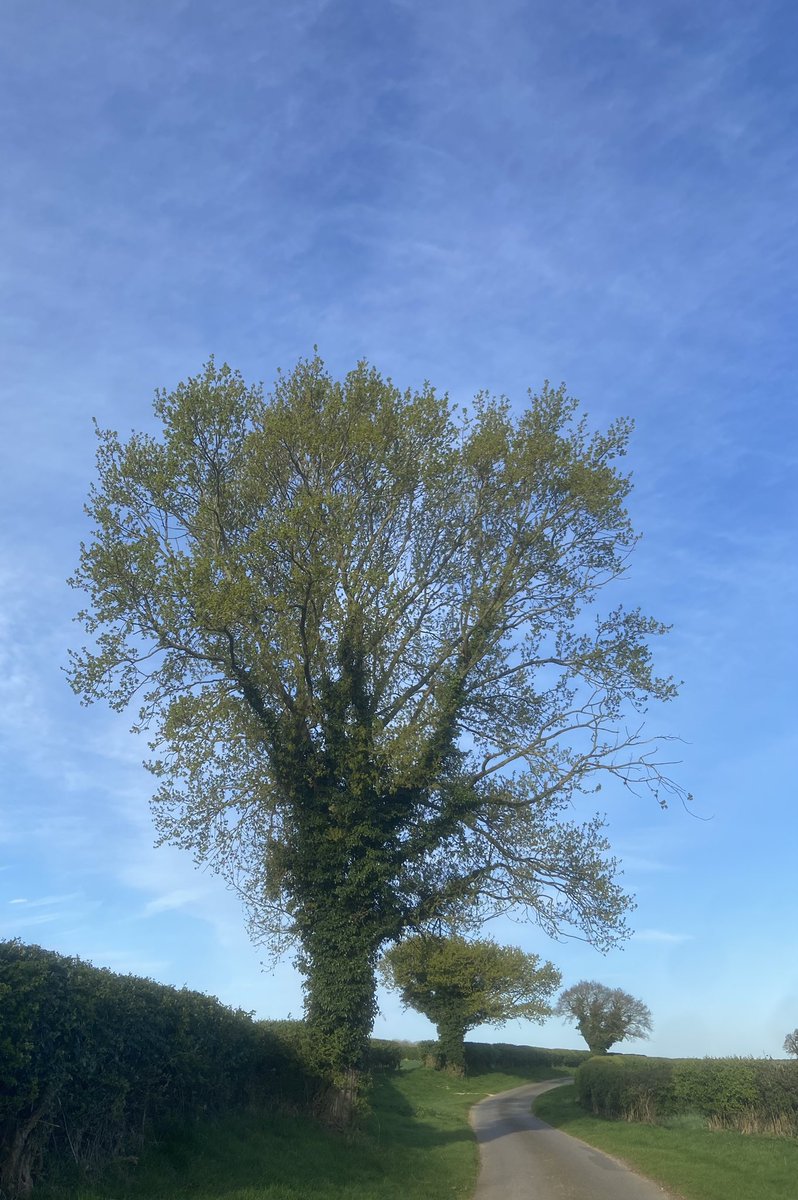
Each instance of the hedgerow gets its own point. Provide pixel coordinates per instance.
(747, 1094)
(502, 1056)
(387, 1054)
(91, 1059)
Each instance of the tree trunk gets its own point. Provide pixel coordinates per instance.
(340, 1005)
(16, 1177)
(342, 1101)
(451, 1039)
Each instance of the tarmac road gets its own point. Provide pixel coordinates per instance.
(522, 1158)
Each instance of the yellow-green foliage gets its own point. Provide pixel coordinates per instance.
(91, 1059)
(752, 1095)
(460, 983)
(311, 594)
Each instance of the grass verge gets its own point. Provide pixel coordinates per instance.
(691, 1161)
(416, 1144)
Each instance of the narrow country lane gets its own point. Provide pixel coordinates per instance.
(522, 1158)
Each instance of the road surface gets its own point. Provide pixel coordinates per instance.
(522, 1158)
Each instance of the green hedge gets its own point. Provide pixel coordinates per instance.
(502, 1056)
(90, 1059)
(747, 1094)
(387, 1054)
(384, 1054)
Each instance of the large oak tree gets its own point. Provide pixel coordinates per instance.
(361, 628)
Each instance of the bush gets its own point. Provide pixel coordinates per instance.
(91, 1059)
(627, 1086)
(746, 1094)
(385, 1054)
(777, 1087)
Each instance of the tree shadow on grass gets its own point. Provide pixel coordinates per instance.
(271, 1156)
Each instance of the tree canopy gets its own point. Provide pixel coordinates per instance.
(604, 1015)
(791, 1043)
(459, 984)
(361, 628)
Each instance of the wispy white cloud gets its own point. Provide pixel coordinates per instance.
(46, 901)
(172, 883)
(171, 901)
(661, 935)
(11, 928)
(57, 912)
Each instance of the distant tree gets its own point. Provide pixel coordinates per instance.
(359, 626)
(791, 1043)
(459, 984)
(604, 1015)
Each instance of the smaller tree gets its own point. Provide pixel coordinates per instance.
(604, 1015)
(791, 1043)
(459, 984)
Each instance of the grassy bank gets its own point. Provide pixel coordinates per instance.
(417, 1144)
(684, 1157)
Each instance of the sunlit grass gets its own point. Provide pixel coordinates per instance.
(692, 1161)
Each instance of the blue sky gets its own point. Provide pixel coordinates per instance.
(480, 195)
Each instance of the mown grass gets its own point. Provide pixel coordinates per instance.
(684, 1157)
(417, 1144)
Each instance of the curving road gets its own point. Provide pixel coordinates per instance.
(522, 1158)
